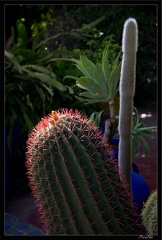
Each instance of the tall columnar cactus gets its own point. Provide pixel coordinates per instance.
(76, 184)
(149, 214)
(127, 89)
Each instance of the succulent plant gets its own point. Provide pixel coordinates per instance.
(75, 182)
(127, 89)
(100, 84)
(149, 214)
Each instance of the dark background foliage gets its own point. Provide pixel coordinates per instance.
(68, 17)
(44, 21)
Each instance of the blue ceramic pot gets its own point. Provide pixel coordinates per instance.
(140, 188)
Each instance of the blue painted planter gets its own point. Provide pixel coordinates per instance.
(140, 188)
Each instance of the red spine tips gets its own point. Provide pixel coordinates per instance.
(44, 122)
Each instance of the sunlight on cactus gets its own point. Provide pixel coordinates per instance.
(75, 181)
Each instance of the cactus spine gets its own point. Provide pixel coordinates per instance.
(149, 214)
(127, 89)
(76, 185)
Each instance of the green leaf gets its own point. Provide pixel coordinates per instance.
(88, 84)
(71, 77)
(46, 79)
(80, 99)
(89, 95)
(71, 91)
(28, 102)
(12, 59)
(28, 121)
(22, 33)
(92, 24)
(113, 81)
(105, 64)
(88, 66)
(50, 81)
(40, 92)
(92, 117)
(135, 145)
(20, 104)
(117, 60)
(92, 101)
(96, 118)
(136, 119)
(9, 87)
(100, 78)
(146, 146)
(44, 59)
(41, 69)
(61, 66)
(80, 66)
(50, 91)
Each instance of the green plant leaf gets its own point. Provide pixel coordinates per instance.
(135, 145)
(145, 130)
(100, 78)
(113, 81)
(80, 99)
(92, 117)
(92, 24)
(116, 60)
(27, 120)
(80, 66)
(50, 91)
(22, 33)
(46, 79)
(136, 119)
(50, 81)
(40, 92)
(90, 101)
(105, 64)
(88, 84)
(146, 146)
(71, 91)
(41, 69)
(96, 118)
(12, 59)
(28, 102)
(71, 77)
(45, 59)
(9, 87)
(89, 95)
(88, 66)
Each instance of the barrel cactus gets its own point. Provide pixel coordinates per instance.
(75, 182)
(149, 214)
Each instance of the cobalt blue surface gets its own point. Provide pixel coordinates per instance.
(15, 226)
(140, 188)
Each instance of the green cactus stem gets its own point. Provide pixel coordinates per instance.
(127, 89)
(149, 214)
(76, 184)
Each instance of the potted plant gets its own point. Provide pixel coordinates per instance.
(67, 159)
(100, 84)
(140, 188)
